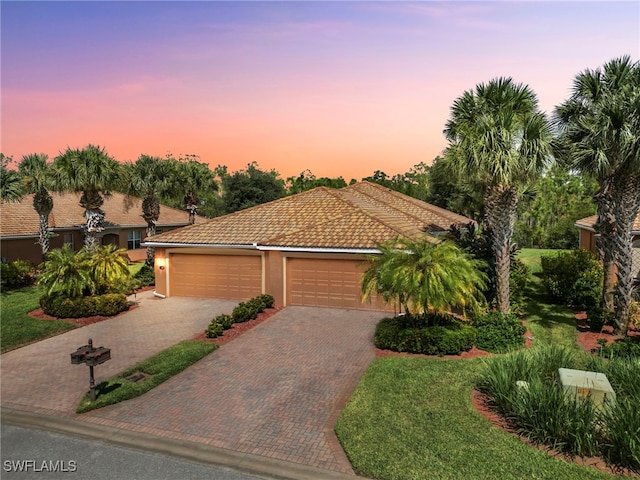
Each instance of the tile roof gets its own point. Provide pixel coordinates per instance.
(20, 218)
(589, 222)
(355, 217)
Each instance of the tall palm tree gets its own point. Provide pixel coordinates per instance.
(93, 173)
(423, 276)
(500, 141)
(601, 124)
(149, 177)
(193, 177)
(37, 180)
(10, 182)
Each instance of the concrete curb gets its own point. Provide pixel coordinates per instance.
(264, 467)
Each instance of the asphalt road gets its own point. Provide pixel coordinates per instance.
(39, 455)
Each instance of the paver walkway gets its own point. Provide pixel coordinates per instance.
(40, 378)
(275, 391)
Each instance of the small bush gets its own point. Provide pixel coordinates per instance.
(573, 278)
(499, 333)
(598, 317)
(146, 276)
(405, 334)
(62, 307)
(628, 347)
(225, 320)
(16, 274)
(241, 313)
(214, 329)
(519, 275)
(267, 300)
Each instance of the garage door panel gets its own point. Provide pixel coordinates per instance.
(215, 276)
(327, 283)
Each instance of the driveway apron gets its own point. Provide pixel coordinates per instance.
(275, 391)
(40, 378)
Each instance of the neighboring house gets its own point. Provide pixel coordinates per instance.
(588, 238)
(306, 249)
(124, 225)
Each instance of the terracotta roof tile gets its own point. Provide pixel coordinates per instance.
(356, 217)
(20, 218)
(589, 222)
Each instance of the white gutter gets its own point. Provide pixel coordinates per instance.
(199, 245)
(319, 249)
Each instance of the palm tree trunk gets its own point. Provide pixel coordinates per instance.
(625, 213)
(500, 216)
(91, 201)
(151, 214)
(43, 204)
(605, 228)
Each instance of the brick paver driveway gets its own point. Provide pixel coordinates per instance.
(275, 391)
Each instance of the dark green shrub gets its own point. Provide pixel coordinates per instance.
(16, 274)
(628, 347)
(256, 306)
(241, 313)
(598, 317)
(225, 320)
(519, 275)
(498, 332)
(402, 334)
(106, 305)
(573, 278)
(267, 300)
(214, 329)
(146, 276)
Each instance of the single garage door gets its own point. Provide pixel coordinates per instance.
(215, 276)
(327, 283)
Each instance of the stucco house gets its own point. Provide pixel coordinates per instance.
(306, 249)
(124, 225)
(588, 238)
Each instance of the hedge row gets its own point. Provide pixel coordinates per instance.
(242, 312)
(107, 305)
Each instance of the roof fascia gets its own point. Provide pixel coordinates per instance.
(198, 245)
(318, 249)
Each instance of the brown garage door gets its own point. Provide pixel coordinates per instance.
(215, 276)
(327, 283)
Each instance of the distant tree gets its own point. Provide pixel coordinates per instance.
(249, 187)
(307, 181)
(37, 179)
(10, 181)
(423, 277)
(93, 173)
(447, 190)
(149, 178)
(600, 123)
(413, 183)
(193, 178)
(499, 140)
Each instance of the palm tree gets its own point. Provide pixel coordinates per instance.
(94, 173)
(109, 267)
(149, 177)
(193, 177)
(10, 182)
(601, 124)
(499, 141)
(67, 273)
(424, 277)
(37, 180)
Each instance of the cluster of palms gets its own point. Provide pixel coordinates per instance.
(499, 143)
(92, 173)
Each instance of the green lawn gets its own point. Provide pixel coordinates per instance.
(412, 418)
(16, 327)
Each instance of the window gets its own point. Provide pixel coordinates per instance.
(68, 238)
(133, 239)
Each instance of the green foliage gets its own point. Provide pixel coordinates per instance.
(214, 329)
(109, 268)
(225, 320)
(16, 274)
(598, 317)
(628, 347)
(519, 276)
(546, 414)
(250, 187)
(77, 307)
(242, 313)
(146, 276)
(267, 300)
(11, 188)
(498, 332)
(408, 334)
(307, 181)
(414, 183)
(67, 273)
(159, 369)
(573, 278)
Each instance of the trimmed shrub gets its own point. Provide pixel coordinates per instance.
(146, 276)
(241, 313)
(598, 317)
(225, 320)
(405, 334)
(16, 274)
(267, 300)
(106, 305)
(573, 278)
(498, 333)
(214, 329)
(519, 275)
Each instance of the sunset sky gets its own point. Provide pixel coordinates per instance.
(340, 88)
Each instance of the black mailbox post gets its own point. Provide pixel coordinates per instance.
(91, 356)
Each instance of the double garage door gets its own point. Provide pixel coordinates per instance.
(322, 282)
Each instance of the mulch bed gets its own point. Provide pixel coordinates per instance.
(238, 329)
(588, 340)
